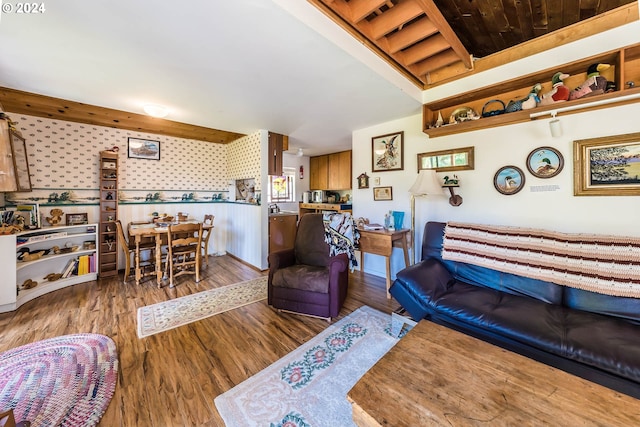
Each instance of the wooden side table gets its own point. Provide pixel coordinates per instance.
(382, 242)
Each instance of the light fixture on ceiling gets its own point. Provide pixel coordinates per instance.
(156, 110)
(300, 152)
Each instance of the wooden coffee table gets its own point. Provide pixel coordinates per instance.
(437, 376)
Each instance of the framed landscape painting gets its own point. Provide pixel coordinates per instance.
(143, 149)
(607, 166)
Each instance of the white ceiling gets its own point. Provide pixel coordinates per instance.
(235, 65)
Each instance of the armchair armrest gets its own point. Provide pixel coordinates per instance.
(281, 259)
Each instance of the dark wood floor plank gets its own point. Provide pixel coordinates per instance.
(172, 378)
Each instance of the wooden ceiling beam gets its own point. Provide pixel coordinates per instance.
(426, 48)
(435, 62)
(19, 102)
(360, 9)
(411, 34)
(394, 18)
(439, 20)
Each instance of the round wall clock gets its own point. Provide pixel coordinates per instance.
(509, 180)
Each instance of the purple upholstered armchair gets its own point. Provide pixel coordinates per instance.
(305, 279)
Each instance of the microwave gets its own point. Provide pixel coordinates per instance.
(318, 196)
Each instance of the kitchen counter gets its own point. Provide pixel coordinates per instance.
(283, 213)
(321, 207)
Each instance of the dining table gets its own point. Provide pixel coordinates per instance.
(139, 231)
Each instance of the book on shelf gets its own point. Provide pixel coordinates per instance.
(68, 268)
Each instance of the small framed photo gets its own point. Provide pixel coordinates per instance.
(545, 162)
(77, 218)
(509, 180)
(143, 149)
(387, 152)
(382, 193)
(363, 180)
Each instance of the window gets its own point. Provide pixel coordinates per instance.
(282, 188)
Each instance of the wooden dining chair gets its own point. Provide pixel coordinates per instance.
(206, 234)
(128, 246)
(184, 251)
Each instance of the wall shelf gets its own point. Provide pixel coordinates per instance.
(625, 66)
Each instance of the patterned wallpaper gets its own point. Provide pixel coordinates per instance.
(243, 159)
(64, 155)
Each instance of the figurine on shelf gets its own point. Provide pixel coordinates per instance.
(439, 120)
(526, 103)
(56, 216)
(451, 181)
(594, 85)
(558, 93)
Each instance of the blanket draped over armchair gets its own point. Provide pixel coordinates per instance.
(341, 235)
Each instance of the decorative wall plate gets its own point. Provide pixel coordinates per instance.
(545, 162)
(509, 180)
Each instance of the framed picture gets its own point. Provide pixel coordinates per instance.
(363, 180)
(143, 149)
(382, 193)
(387, 152)
(77, 219)
(545, 162)
(20, 161)
(508, 180)
(447, 160)
(607, 166)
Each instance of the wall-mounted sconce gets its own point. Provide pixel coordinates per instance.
(555, 126)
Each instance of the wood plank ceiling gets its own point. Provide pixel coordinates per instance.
(420, 38)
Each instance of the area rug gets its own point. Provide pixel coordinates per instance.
(63, 381)
(309, 386)
(177, 312)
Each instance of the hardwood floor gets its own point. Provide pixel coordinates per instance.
(171, 378)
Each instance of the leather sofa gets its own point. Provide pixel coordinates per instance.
(592, 335)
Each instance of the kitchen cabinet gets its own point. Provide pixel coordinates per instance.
(330, 171)
(14, 164)
(340, 171)
(282, 231)
(625, 67)
(277, 144)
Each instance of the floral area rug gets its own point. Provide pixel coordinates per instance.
(181, 311)
(309, 386)
(63, 381)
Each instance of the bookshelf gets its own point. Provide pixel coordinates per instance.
(108, 260)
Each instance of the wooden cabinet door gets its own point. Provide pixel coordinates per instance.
(7, 171)
(275, 154)
(318, 173)
(282, 232)
(339, 171)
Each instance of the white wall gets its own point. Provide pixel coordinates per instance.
(508, 145)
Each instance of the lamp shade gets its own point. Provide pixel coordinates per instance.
(427, 183)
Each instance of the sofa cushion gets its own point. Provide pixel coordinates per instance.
(623, 307)
(303, 277)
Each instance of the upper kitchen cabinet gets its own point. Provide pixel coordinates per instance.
(340, 171)
(277, 144)
(319, 172)
(331, 171)
(14, 164)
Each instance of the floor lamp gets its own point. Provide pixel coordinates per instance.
(427, 184)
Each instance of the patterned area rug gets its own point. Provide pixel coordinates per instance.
(181, 311)
(309, 386)
(63, 381)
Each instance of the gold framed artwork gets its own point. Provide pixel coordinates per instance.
(447, 160)
(387, 152)
(382, 193)
(77, 218)
(607, 166)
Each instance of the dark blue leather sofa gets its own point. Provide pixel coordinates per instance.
(591, 335)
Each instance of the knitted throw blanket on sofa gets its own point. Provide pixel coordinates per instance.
(598, 263)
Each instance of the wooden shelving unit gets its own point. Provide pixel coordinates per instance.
(108, 260)
(625, 66)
